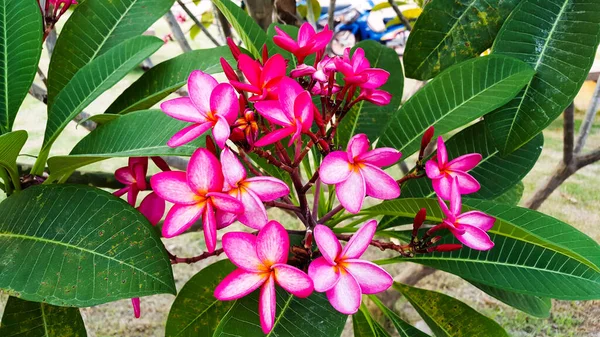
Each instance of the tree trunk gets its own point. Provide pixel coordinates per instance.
(261, 11)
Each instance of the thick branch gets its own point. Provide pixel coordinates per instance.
(588, 158)
(402, 18)
(189, 260)
(588, 120)
(568, 133)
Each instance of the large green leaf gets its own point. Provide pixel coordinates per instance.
(449, 32)
(31, 319)
(365, 326)
(558, 38)
(496, 173)
(534, 254)
(365, 117)
(20, 47)
(533, 305)
(73, 245)
(138, 134)
(196, 311)
(94, 79)
(165, 78)
(296, 317)
(404, 329)
(455, 97)
(94, 28)
(512, 196)
(447, 316)
(10, 147)
(248, 30)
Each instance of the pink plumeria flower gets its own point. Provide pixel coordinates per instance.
(357, 173)
(261, 262)
(322, 89)
(133, 176)
(325, 69)
(377, 97)
(153, 208)
(294, 110)
(262, 80)
(441, 172)
(195, 193)
(210, 106)
(357, 70)
(309, 41)
(251, 192)
(469, 228)
(341, 274)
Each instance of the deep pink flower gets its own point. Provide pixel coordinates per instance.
(135, 303)
(210, 105)
(341, 274)
(441, 172)
(133, 176)
(309, 41)
(294, 110)
(323, 89)
(153, 208)
(325, 69)
(357, 70)
(262, 80)
(251, 192)
(357, 172)
(378, 97)
(195, 193)
(469, 228)
(261, 262)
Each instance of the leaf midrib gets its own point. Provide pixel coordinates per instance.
(197, 317)
(285, 307)
(5, 45)
(415, 303)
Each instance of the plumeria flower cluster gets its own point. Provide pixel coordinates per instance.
(52, 10)
(265, 122)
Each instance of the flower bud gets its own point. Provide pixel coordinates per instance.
(161, 163)
(427, 136)
(228, 70)
(265, 54)
(235, 50)
(210, 145)
(446, 247)
(418, 222)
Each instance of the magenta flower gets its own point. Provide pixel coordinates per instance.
(341, 274)
(251, 192)
(294, 110)
(325, 69)
(261, 262)
(357, 70)
(378, 97)
(210, 105)
(469, 228)
(441, 172)
(153, 208)
(357, 172)
(135, 303)
(133, 176)
(309, 41)
(262, 80)
(322, 89)
(195, 193)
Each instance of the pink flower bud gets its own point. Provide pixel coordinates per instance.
(446, 247)
(235, 50)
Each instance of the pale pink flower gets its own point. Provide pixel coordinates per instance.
(341, 274)
(195, 193)
(261, 262)
(378, 97)
(469, 228)
(357, 70)
(210, 106)
(309, 41)
(263, 81)
(441, 172)
(294, 110)
(357, 173)
(251, 192)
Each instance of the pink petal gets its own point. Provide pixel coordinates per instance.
(442, 154)
(432, 170)
(328, 244)
(188, 134)
(305, 33)
(275, 136)
(445, 209)
(359, 61)
(224, 102)
(293, 280)
(132, 195)
(200, 86)
(221, 132)
(284, 41)
(474, 238)
(225, 219)
(375, 78)
(381, 157)
(153, 208)
(139, 170)
(209, 224)
(379, 184)
(360, 241)
(274, 68)
(121, 191)
(267, 188)
(267, 305)
(135, 303)
(304, 108)
(204, 172)
(345, 296)
(466, 183)
(288, 91)
(183, 109)
(359, 144)
(271, 110)
(255, 214)
(324, 275)
(124, 176)
(351, 192)
(372, 278)
(302, 70)
(172, 186)
(455, 199)
(225, 202)
(251, 69)
(476, 219)
(180, 218)
(245, 87)
(442, 186)
(272, 244)
(239, 284)
(322, 38)
(241, 250)
(335, 168)
(233, 170)
(464, 163)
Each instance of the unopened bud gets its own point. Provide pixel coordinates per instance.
(446, 247)
(210, 145)
(418, 222)
(228, 70)
(161, 163)
(235, 50)
(265, 54)
(427, 136)
(434, 240)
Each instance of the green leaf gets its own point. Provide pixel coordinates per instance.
(316, 8)
(94, 79)
(534, 254)
(31, 319)
(248, 30)
(447, 316)
(496, 173)
(533, 305)
(404, 329)
(311, 317)
(196, 311)
(457, 96)
(449, 32)
(138, 134)
(558, 38)
(365, 117)
(365, 326)
(73, 245)
(21, 48)
(94, 28)
(512, 196)
(10, 147)
(166, 77)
